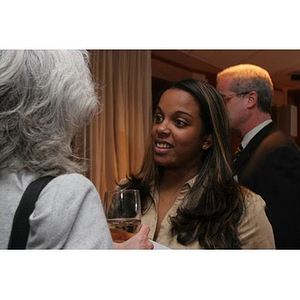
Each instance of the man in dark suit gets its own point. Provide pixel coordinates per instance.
(269, 161)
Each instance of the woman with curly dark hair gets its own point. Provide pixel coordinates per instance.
(190, 199)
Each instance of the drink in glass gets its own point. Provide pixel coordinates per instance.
(123, 213)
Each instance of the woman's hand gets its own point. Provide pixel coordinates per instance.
(139, 240)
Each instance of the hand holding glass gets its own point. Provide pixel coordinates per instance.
(123, 213)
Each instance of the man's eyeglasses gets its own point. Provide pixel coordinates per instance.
(227, 98)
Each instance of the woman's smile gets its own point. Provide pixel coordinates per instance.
(162, 147)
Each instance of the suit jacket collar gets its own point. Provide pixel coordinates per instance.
(255, 141)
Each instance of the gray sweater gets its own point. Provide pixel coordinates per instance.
(67, 215)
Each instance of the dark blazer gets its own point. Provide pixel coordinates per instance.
(270, 166)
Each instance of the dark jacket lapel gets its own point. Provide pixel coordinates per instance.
(252, 145)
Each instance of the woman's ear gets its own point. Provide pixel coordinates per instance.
(207, 142)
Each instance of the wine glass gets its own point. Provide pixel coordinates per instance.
(123, 213)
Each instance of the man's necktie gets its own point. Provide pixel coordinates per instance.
(238, 151)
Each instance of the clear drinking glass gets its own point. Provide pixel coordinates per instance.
(123, 213)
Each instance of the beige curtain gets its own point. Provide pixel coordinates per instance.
(117, 137)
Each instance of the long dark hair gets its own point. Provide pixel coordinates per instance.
(213, 207)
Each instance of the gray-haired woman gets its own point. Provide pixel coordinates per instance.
(45, 97)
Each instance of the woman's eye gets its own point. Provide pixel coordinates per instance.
(158, 118)
(180, 123)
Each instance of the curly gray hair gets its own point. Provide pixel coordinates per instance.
(45, 97)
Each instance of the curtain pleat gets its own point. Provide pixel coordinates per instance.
(117, 137)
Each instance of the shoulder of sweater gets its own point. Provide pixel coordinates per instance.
(72, 179)
(67, 184)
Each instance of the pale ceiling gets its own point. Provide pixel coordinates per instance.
(281, 64)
